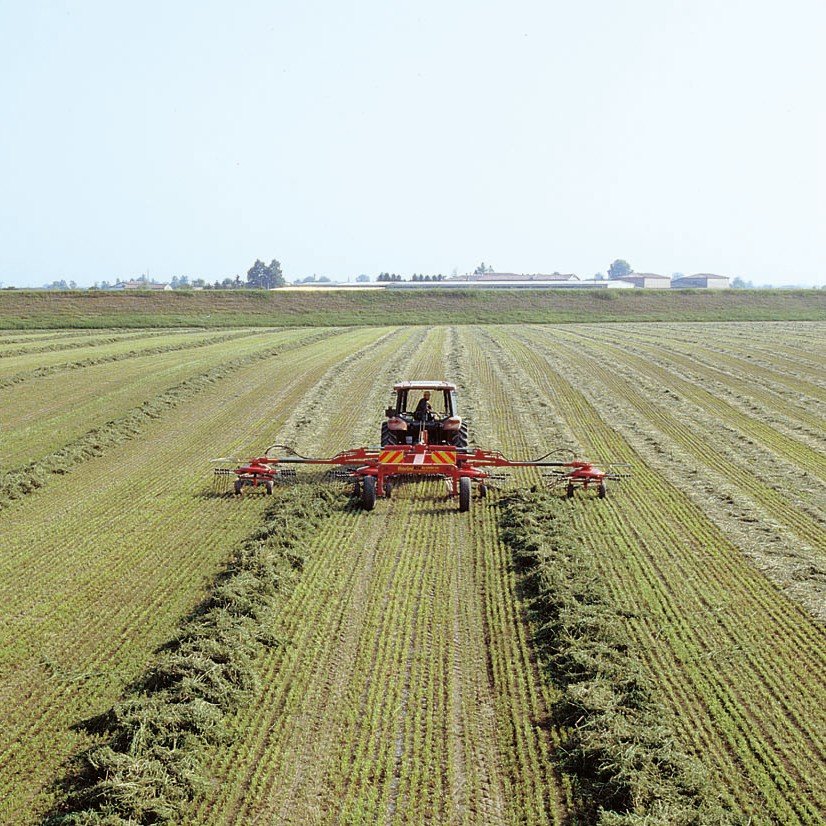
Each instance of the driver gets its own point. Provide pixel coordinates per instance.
(423, 410)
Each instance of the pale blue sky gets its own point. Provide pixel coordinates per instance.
(189, 138)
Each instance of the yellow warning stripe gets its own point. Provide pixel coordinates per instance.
(391, 457)
(442, 457)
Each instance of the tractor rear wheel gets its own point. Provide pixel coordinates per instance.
(388, 437)
(601, 491)
(464, 494)
(460, 440)
(368, 493)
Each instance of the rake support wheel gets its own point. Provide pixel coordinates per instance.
(368, 493)
(464, 494)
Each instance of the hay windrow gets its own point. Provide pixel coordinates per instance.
(40, 372)
(147, 768)
(625, 763)
(21, 481)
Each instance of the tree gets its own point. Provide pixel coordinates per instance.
(363, 278)
(265, 276)
(482, 269)
(741, 284)
(619, 269)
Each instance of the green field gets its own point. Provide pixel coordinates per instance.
(21, 310)
(405, 665)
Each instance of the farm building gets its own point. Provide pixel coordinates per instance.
(647, 280)
(513, 276)
(703, 281)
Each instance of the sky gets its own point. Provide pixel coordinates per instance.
(190, 138)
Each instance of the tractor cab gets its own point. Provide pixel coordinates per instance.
(424, 410)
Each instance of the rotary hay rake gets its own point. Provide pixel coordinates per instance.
(375, 471)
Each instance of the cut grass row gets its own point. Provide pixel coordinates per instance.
(719, 639)
(772, 509)
(24, 368)
(150, 763)
(405, 694)
(83, 614)
(47, 414)
(39, 472)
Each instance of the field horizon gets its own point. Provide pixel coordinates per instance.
(173, 653)
(21, 309)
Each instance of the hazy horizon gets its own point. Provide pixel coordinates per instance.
(186, 139)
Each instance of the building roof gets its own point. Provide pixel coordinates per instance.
(705, 275)
(646, 275)
(513, 276)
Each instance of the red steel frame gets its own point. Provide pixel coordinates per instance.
(419, 459)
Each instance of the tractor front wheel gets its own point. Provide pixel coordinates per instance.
(464, 494)
(368, 493)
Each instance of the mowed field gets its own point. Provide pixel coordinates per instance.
(405, 686)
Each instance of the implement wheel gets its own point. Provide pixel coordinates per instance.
(368, 493)
(569, 491)
(388, 488)
(464, 494)
(268, 488)
(239, 487)
(601, 491)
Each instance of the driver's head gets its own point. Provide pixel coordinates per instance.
(426, 394)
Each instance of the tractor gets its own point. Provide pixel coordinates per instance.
(428, 406)
(422, 436)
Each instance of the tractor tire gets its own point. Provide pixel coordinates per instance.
(601, 490)
(268, 488)
(388, 437)
(239, 487)
(460, 440)
(464, 494)
(569, 491)
(368, 493)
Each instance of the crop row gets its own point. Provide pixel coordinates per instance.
(73, 341)
(96, 572)
(149, 764)
(773, 508)
(720, 641)
(625, 762)
(406, 693)
(37, 473)
(37, 365)
(44, 415)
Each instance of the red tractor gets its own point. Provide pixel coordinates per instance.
(423, 435)
(428, 406)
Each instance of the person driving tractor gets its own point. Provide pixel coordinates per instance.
(423, 410)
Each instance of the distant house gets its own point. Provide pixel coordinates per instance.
(513, 276)
(647, 280)
(141, 285)
(701, 281)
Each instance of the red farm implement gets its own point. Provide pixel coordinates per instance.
(375, 471)
(417, 440)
